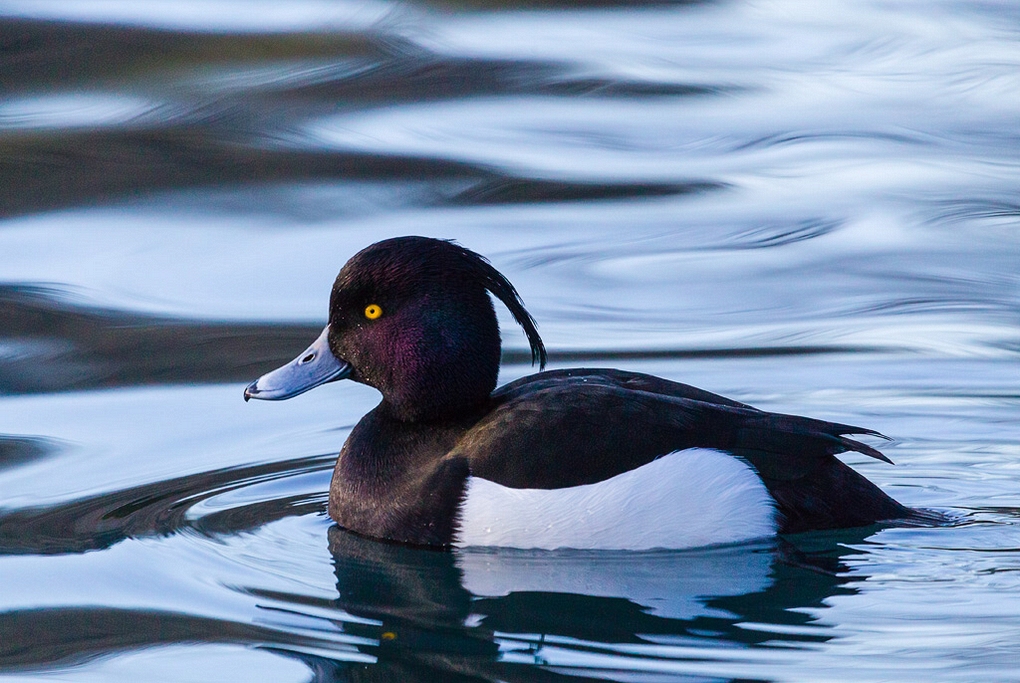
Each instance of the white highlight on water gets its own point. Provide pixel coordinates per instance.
(687, 499)
(671, 584)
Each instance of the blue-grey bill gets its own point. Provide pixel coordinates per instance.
(316, 365)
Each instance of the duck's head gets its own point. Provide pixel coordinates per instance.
(410, 316)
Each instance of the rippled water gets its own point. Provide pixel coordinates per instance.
(811, 207)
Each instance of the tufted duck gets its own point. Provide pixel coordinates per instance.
(582, 458)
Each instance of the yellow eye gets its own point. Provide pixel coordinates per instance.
(372, 311)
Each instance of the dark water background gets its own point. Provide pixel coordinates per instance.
(811, 207)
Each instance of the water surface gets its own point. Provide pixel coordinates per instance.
(810, 207)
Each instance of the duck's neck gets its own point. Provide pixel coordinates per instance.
(393, 481)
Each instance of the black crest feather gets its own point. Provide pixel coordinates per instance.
(495, 282)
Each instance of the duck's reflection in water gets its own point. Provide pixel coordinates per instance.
(409, 614)
(496, 614)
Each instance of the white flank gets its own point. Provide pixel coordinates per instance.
(686, 499)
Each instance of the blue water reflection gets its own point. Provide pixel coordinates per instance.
(806, 207)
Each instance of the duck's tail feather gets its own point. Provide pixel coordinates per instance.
(858, 447)
(800, 437)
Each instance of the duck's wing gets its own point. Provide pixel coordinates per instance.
(623, 379)
(557, 430)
